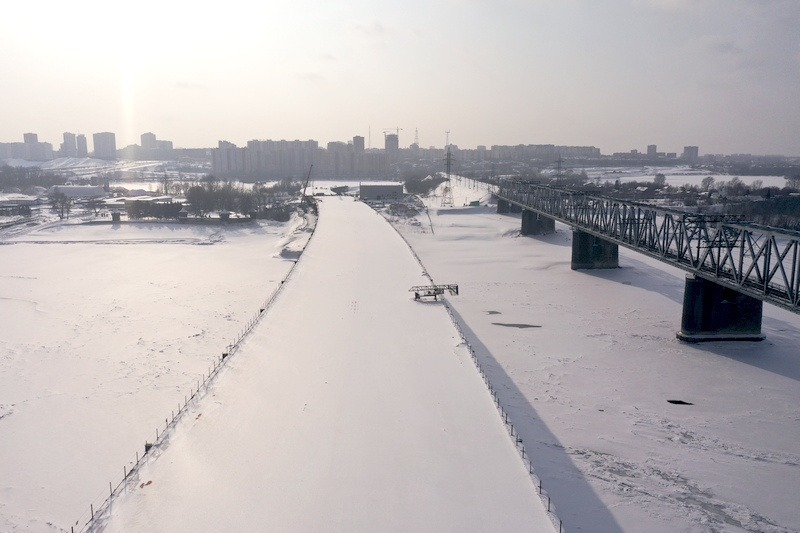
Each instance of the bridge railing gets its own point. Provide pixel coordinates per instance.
(760, 261)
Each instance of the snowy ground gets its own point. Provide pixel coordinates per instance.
(586, 363)
(103, 329)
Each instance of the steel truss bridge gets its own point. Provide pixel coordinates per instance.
(759, 261)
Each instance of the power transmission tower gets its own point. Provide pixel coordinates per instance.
(559, 170)
(447, 197)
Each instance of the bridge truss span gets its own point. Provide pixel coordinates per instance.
(759, 261)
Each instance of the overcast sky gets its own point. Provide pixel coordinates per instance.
(617, 74)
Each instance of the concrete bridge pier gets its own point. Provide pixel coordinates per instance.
(502, 206)
(536, 224)
(712, 312)
(590, 252)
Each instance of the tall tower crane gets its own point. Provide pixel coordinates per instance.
(397, 131)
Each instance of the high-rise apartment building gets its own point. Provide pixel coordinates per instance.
(652, 151)
(691, 153)
(105, 145)
(392, 142)
(149, 141)
(30, 150)
(69, 148)
(80, 142)
(358, 144)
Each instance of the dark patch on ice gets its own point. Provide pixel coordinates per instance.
(679, 402)
(493, 313)
(286, 253)
(521, 326)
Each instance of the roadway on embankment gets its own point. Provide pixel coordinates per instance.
(351, 407)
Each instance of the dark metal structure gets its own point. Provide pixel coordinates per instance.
(433, 291)
(759, 261)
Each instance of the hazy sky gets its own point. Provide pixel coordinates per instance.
(616, 74)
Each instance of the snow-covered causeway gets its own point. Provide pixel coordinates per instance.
(351, 407)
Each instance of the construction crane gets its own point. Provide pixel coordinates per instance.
(305, 185)
(396, 130)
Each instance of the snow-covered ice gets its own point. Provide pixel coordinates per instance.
(103, 330)
(588, 383)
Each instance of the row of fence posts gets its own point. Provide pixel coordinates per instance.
(512, 432)
(170, 422)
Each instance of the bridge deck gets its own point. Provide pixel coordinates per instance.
(759, 261)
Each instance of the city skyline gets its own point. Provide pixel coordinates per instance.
(75, 145)
(617, 75)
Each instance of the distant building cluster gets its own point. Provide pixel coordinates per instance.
(150, 148)
(691, 154)
(281, 159)
(75, 145)
(277, 160)
(30, 150)
(539, 152)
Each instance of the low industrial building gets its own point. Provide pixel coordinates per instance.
(15, 199)
(381, 191)
(78, 191)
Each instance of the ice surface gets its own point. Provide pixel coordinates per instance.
(103, 330)
(589, 388)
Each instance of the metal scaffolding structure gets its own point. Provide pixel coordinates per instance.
(759, 261)
(434, 291)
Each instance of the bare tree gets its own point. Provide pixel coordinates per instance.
(200, 200)
(61, 204)
(94, 205)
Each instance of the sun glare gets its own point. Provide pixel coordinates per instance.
(129, 66)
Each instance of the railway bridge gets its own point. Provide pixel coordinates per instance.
(733, 266)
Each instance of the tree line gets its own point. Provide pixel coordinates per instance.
(212, 195)
(23, 178)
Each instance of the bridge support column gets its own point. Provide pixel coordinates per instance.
(502, 206)
(712, 312)
(536, 224)
(590, 252)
